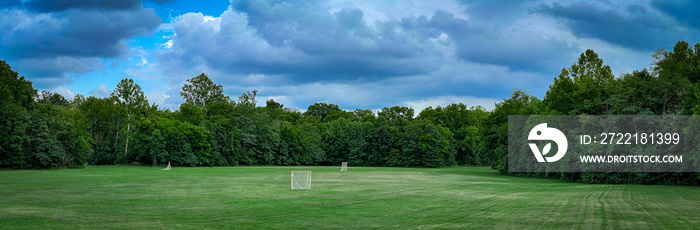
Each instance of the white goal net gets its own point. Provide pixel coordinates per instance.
(301, 179)
(168, 167)
(344, 167)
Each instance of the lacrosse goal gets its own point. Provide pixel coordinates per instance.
(168, 167)
(301, 179)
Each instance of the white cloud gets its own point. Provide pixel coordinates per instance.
(143, 60)
(156, 97)
(149, 71)
(66, 92)
(166, 27)
(101, 91)
(168, 44)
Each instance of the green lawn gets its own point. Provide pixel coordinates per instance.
(396, 198)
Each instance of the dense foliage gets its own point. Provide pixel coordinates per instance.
(39, 131)
(209, 129)
(672, 87)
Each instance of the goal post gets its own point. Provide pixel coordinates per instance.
(344, 167)
(301, 179)
(168, 167)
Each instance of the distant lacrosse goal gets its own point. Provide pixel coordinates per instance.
(301, 179)
(168, 167)
(344, 167)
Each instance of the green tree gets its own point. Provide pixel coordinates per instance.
(248, 99)
(106, 118)
(46, 150)
(15, 89)
(201, 91)
(190, 113)
(379, 142)
(582, 88)
(637, 93)
(76, 140)
(679, 76)
(161, 140)
(337, 141)
(16, 98)
(259, 138)
(52, 98)
(425, 145)
(313, 139)
(364, 115)
(296, 145)
(396, 113)
(130, 96)
(277, 111)
(495, 138)
(337, 114)
(15, 147)
(320, 110)
(272, 104)
(682, 62)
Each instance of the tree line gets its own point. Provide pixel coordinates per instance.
(45, 130)
(210, 129)
(670, 87)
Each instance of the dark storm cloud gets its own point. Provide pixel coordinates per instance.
(304, 43)
(47, 73)
(637, 29)
(307, 43)
(516, 48)
(685, 12)
(61, 5)
(316, 31)
(368, 54)
(69, 36)
(496, 10)
(75, 33)
(337, 57)
(10, 3)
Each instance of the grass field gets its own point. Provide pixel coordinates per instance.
(396, 198)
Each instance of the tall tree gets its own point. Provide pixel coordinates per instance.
(131, 97)
(679, 74)
(15, 89)
(52, 98)
(396, 113)
(581, 88)
(364, 114)
(247, 102)
(106, 117)
(201, 91)
(320, 110)
(495, 139)
(272, 104)
(273, 108)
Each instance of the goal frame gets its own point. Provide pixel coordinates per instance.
(292, 180)
(167, 168)
(344, 166)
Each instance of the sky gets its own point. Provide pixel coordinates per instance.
(362, 54)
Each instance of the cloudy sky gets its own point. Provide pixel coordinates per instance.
(354, 53)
